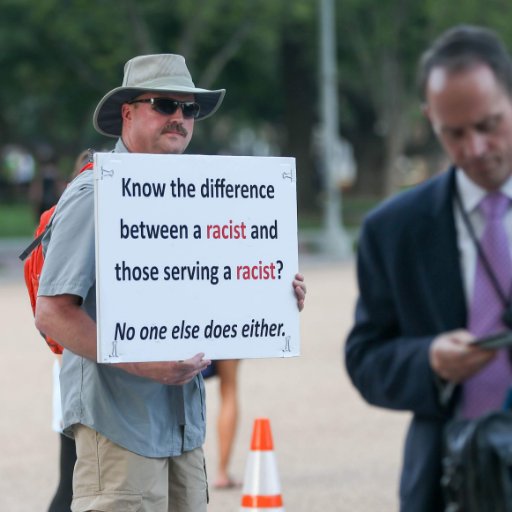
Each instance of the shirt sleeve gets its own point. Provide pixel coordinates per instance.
(69, 266)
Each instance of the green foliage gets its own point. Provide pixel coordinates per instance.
(60, 56)
(16, 220)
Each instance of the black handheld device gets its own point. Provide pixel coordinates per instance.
(500, 340)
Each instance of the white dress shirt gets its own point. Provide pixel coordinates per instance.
(471, 195)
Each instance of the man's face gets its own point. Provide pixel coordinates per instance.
(147, 131)
(471, 114)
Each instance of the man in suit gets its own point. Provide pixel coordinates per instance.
(420, 270)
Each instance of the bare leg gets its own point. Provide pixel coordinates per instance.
(228, 418)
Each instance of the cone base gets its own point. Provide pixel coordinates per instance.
(258, 501)
(245, 509)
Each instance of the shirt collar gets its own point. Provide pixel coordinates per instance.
(471, 194)
(120, 147)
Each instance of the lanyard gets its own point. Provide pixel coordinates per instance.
(504, 298)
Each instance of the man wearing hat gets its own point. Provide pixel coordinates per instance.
(139, 427)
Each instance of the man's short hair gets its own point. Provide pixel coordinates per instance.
(463, 47)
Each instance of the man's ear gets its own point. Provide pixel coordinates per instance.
(126, 112)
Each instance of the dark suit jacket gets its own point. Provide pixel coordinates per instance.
(410, 291)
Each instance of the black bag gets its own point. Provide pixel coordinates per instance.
(477, 464)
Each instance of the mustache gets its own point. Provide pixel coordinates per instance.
(177, 127)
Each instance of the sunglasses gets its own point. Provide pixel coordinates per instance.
(168, 106)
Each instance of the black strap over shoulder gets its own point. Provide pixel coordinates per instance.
(27, 251)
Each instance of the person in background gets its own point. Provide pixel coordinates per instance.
(61, 501)
(434, 267)
(47, 185)
(227, 418)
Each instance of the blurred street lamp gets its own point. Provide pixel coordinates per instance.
(336, 241)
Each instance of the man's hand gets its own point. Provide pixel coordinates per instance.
(299, 288)
(454, 359)
(168, 372)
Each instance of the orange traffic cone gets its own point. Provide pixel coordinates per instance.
(262, 490)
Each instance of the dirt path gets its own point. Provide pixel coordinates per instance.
(334, 452)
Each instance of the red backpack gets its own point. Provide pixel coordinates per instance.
(34, 260)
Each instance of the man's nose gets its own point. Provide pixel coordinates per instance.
(177, 115)
(475, 145)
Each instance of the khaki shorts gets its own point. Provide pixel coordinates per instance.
(109, 478)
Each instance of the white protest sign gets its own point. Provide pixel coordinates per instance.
(195, 254)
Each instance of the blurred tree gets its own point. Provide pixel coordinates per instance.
(379, 48)
(60, 56)
(380, 44)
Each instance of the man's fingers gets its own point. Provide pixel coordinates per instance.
(453, 357)
(299, 282)
(184, 371)
(197, 362)
(300, 290)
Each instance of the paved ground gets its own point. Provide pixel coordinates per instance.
(334, 452)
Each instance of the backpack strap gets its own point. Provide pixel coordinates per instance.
(24, 255)
(87, 166)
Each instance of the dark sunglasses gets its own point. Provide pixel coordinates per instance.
(168, 106)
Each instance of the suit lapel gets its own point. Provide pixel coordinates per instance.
(439, 257)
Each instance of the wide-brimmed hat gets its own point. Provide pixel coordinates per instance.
(159, 73)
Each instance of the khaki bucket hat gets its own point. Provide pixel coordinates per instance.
(159, 73)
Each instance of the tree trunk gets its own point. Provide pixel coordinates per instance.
(299, 90)
(393, 118)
